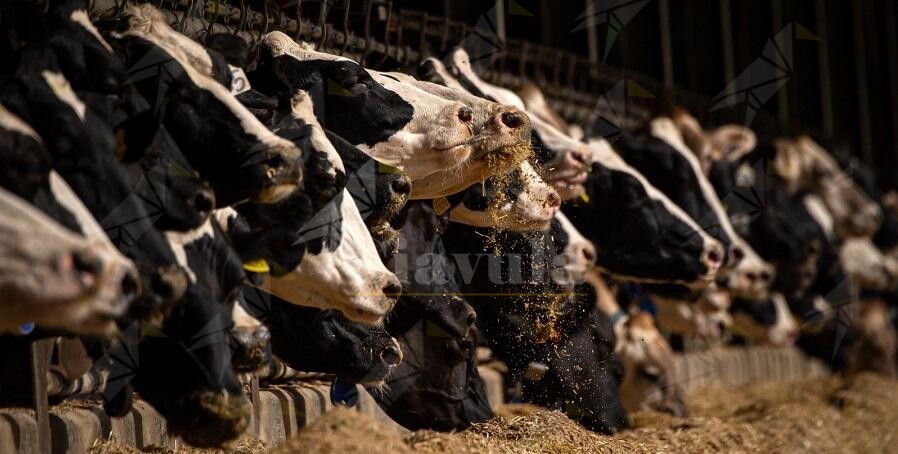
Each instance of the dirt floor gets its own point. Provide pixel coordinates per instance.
(855, 415)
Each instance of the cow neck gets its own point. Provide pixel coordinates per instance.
(157, 32)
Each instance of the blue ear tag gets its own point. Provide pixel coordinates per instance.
(26, 328)
(342, 393)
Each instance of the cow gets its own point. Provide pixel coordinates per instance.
(536, 320)
(437, 385)
(563, 160)
(665, 160)
(241, 158)
(520, 200)
(56, 278)
(650, 238)
(766, 321)
(320, 256)
(647, 357)
(315, 340)
(401, 126)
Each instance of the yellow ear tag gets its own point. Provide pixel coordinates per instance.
(257, 266)
(386, 168)
(440, 205)
(584, 197)
(120, 146)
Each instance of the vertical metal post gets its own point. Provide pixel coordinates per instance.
(726, 37)
(40, 365)
(592, 33)
(860, 73)
(826, 94)
(782, 96)
(500, 20)
(892, 50)
(666, 55)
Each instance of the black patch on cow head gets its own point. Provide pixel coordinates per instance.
(347, 99)
(215, 142)
(672, 174)
(634, 234)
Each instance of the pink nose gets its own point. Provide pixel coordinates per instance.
(713, 257)
(576, 157)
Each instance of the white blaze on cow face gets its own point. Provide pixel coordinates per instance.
(567, 170)
(301, 108)
(147, 23)
(12, 122)
(751, 276)
(806, 165)
(603, 154)
(501, 140)
(61, 88)
(351, 278)
(531, 209)
(579, 255)
(80, 284)
(437, 138)
(708, 317)
(79, 16)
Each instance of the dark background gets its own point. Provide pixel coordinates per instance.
(859, 36)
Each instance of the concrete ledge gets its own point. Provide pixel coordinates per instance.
(284, 409)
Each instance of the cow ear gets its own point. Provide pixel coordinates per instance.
(732, 142)
(788, 162)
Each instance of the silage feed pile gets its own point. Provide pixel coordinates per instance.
(830, 415)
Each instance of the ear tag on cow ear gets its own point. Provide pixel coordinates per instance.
(121, 147)
(26, 328)
(584, 197)
(386, 168)
(441, 205)
(257, 266)
(342, 393)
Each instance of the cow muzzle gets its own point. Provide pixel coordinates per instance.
(209, 419)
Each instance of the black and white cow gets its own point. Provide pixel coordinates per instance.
(401, 126)
(437, 385)
(224, 142)
(638, 232)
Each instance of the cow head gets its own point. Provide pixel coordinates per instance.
(638, 232)
(395, 123)
(328, 261)
(316, 340)
(806, 165)
(57, 279)
(520, 200)
(225, 143)
(767, 321)
(437, 386)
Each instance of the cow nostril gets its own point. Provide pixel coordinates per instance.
(766, 276)
(589, 254)
(130, 286)
(466, 115)
(204, 202)
(578, 156)
(713, 258)
(721, 327)
(88, 266)
(553, 200)
(401, 186)
(392, 289)
(813, 247)
(736, 254)
(391, 355)
(513, 119)
(471, 318)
